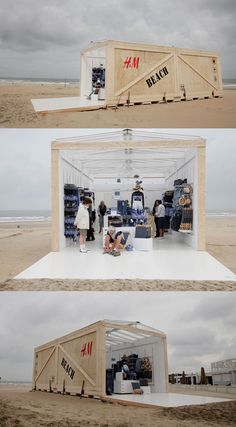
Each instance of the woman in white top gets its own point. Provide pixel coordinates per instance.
(82, 222)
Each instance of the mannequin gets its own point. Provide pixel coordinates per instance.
(137, 198)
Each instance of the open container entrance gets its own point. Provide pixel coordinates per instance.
(106, 167)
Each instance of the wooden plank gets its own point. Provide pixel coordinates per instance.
(104, 145)
(201, 159)
(55, 200)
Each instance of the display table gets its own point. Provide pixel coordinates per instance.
(142, 244)
(124, 386)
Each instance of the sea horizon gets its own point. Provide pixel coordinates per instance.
(227, 82)
(15, 216)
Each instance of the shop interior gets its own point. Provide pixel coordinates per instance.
(136, 360)
(137, 368)
(129, 181)
(129, 170)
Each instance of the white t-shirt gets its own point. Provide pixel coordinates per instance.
(160, 211)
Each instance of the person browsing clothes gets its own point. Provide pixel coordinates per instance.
(114, 241)
(160, 214)
(101, 213)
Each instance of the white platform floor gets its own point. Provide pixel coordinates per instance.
(67, 103)
(170, 260)
(168, 400)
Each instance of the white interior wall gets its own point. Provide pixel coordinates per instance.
(147, 347)
(90, 59)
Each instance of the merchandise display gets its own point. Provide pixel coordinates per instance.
(133, 220)
(182, 217)
(73, 195)
(129, 374)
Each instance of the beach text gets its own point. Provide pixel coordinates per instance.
(157, 77)
(69, 370)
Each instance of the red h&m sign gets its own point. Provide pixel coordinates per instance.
(86, 349)
(131, 62)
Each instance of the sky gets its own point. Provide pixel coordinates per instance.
(25, 166)
(44, 38)
(200, 327)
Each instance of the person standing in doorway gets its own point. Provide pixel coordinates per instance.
(82, 222)
(101, 213)
(160, 218)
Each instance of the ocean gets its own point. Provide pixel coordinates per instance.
(14, 383)
(45, 215)
(227, 83)
(39, 81)
(25, 216)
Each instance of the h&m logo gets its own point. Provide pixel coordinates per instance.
(157, 77)
(86, 349)
(131, 62)
(69, 370)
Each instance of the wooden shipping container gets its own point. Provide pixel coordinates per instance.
(76, 363)
(141, 73)
(134, 73)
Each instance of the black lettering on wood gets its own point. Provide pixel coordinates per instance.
(152, 80)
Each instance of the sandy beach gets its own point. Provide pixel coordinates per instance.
(17, 111)
(21, 247)
(20, 407)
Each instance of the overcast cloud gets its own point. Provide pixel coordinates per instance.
(200, 327)
(44, 38)
(25, 166)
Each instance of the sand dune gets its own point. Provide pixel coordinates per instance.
(17, 111)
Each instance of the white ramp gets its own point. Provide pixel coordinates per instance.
(72, 103)
(168, 400)
(181, 263)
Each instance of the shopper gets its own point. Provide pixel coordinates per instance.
(154, 212)
(160, 218)
(82, 222)
(114, 241)
(92, 217)
(101, 213)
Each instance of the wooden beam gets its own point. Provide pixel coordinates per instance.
(104, 145)
(55, 200)
(201, 237)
